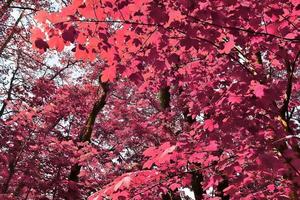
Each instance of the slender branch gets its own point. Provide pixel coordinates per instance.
(24, 8)
(284, 110)
(61, 70)
(11, 34)
(11, 85)
(65, 3)
(252, 32)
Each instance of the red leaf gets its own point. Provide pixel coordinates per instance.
(234, 99)
(151, 151)
(272, 28)
(174, 186)
(209, 125)
(213, 146)
(41, 16)
(228, 45)
(109, 74)
(124, 182)
(257, 88)
(41, 44)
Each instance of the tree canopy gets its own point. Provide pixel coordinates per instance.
(150, 99)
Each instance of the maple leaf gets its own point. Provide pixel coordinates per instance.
(151, 151)
(213, 146)
(197, 157)
(109, 74)
(228, 45)
(57, 43)
(124, 182)
(165, 157)
(174, 186)
(257, 89)
(41, 44)
(272, 28)
(41, 16)
(271, 187)
(70, 34)
(159, 15)
(209, 125)
(234, 99)
(174, 16)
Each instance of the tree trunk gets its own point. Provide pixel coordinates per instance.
(86, 133)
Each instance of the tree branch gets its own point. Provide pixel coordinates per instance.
(252, 32)
(11, 85)
(11, 34)
(284, 110)
(24, 8)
